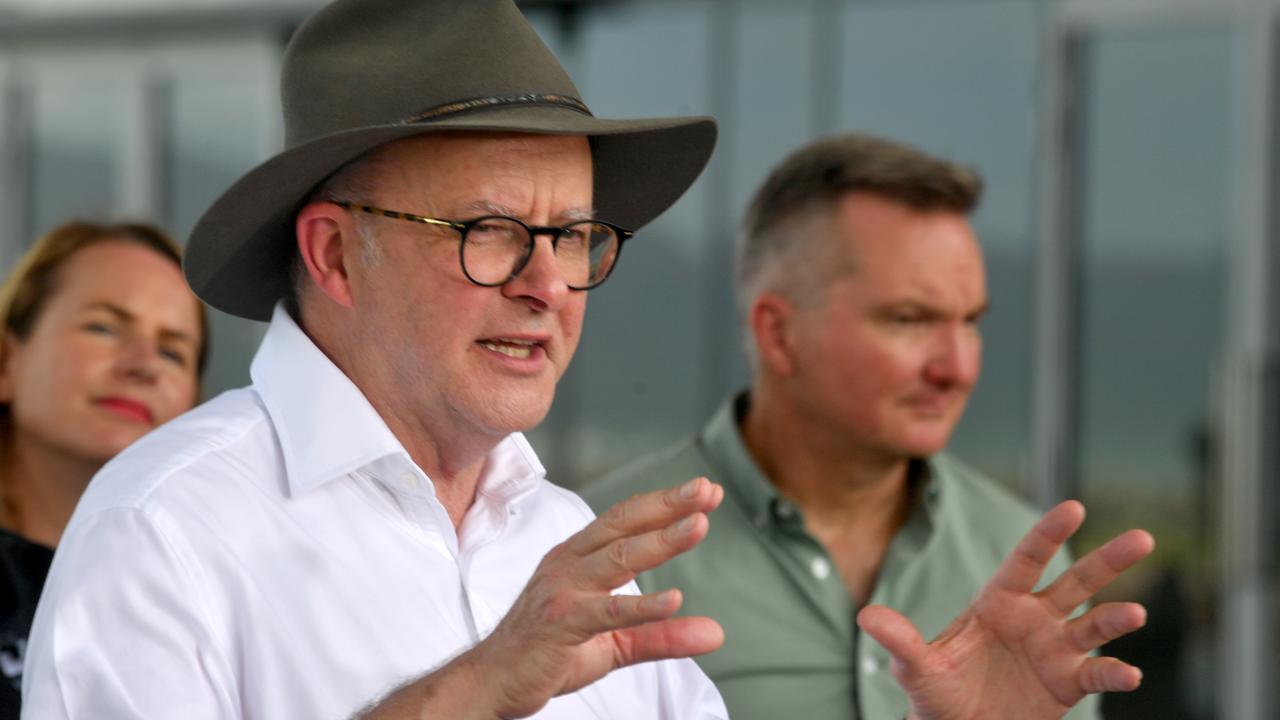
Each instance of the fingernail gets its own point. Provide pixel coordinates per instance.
(686, 525)
(659, 601)
(689, 489)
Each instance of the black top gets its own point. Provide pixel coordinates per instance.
(23, 566)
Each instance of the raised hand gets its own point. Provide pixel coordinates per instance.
(566, 630)
(1015, 653)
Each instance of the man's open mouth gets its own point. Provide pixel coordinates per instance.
(519, 349)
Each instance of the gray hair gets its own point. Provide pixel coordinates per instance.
(776, 249)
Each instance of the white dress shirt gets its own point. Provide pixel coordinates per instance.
(276, 554)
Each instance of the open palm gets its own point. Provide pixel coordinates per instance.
(1015, 653)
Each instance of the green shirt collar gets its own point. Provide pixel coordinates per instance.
(723, 445)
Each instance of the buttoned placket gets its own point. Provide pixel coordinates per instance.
(805, 560)
(485, 615)
(429, 521)
(871, 657)
(785, 519)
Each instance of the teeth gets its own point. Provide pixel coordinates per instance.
(520, 349)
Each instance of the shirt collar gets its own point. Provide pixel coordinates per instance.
(327, 428)
(723, 443)
(511, 471)
(927, 507)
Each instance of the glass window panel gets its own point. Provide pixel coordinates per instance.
(75, 165)
(960, 80)
(773, 92)
(215, 131)
(1155, 166)
(215, 135)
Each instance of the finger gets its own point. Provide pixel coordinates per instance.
(896, 634)
(1022, 569)
(621, 560)
(647, 512)
(590, 617)
(1106, 674)
(1096, 570)
(1105, 623)
(675, 638)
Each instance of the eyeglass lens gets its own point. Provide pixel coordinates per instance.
(495, 249)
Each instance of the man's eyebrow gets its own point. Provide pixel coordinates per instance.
(111, 308)
(487, 207)
(927, 308)
(126, 316)
(579, 214)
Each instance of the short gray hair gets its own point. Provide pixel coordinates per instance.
(774, 251)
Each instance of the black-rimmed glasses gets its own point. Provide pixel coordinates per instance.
(494, 249)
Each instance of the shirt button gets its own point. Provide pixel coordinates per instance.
(869, 666)
(409, 480)
(820, 568)
(783, 510)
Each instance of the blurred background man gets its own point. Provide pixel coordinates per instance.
(860, 284)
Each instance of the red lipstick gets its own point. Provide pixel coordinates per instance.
(128, 409)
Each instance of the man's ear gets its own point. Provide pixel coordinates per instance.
(321, 229)
(771, 317)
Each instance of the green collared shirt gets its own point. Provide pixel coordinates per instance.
(792, 648)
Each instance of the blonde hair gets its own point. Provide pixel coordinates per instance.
(34, 279)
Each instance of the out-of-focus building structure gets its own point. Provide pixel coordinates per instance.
(1130, 226)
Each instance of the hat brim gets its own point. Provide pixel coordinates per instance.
(238, 256)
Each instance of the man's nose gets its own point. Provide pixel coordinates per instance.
(955, 356)
(541, 283)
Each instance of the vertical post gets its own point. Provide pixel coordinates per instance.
(15, 126)
(720, 329)
(828, 21)
(1055, 372)
(1250, 404)
(142, 151)
(158, 97)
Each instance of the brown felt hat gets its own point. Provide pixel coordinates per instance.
(362, 73)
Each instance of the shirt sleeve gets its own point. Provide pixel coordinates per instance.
(122, 630)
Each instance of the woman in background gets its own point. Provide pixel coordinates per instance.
(102, 341)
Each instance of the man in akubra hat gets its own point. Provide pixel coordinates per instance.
(364, 530)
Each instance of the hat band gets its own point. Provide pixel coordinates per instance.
(485, 103)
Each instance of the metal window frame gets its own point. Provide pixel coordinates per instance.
(1246, 380)
(146, 45)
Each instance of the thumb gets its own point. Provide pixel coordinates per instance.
(896, 634)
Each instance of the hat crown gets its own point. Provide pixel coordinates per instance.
(364, 63)
(364, 73)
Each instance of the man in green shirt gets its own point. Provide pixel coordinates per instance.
(860, 284)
